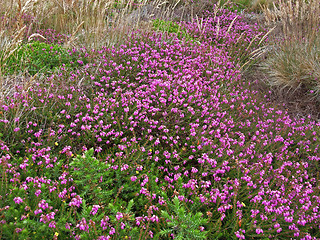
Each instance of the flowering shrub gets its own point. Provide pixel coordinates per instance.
(156, 138)
(228, 30)
(50, 36)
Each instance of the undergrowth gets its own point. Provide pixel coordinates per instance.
(155, 137)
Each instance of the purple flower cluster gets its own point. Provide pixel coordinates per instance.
(167, 118)
(227, 30)
(10, 23)
(51, 36)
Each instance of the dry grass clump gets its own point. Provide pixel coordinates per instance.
(113, 19)
(260, 4)
(293, 62)
(9, 45)
(85, 20)
(12, 32)
(300, 18)
(295, 65)
(110, 23)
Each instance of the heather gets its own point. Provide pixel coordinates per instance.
(157, 137)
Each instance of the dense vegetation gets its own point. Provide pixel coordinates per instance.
(157, 135)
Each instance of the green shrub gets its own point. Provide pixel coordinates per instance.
(171, 27)
(87, 172)
(166, 26)
(182, 224)
(246, 5)
(39, 57)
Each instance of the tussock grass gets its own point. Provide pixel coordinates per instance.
(295, 65)
(300, 18)
(294, 61)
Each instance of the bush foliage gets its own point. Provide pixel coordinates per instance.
(156, 138)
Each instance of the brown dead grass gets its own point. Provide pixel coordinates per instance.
(288, 75)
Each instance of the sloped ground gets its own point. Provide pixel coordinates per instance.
(160, 137)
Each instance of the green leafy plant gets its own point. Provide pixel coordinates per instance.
(39, 57)
(182, 224)
(246, 5)
(91, 176)
(171, 27)
(167, 26)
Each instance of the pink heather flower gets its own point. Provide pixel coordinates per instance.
(259, 230)
(181, 197)
(42, 204)
(277, 225)
(104, 238)
(98, 149)
(18, 200)
(124, 167)
(38, 192)
(254, 212)
(44, 218)
(37, 211)
(123, 225)
(112, 231)
(240, 234)
(76, 201)
(154, 218)
(6, 108)
(133, 178)
(67, 225)
(83, 225)
(24, 165)
(94, 210)
(52, 224)
(137, 222)
(51, 215)
(104, 222)
(119, 216)
(63, 193)
(194, 170)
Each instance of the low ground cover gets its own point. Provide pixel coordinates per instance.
(157, 137)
